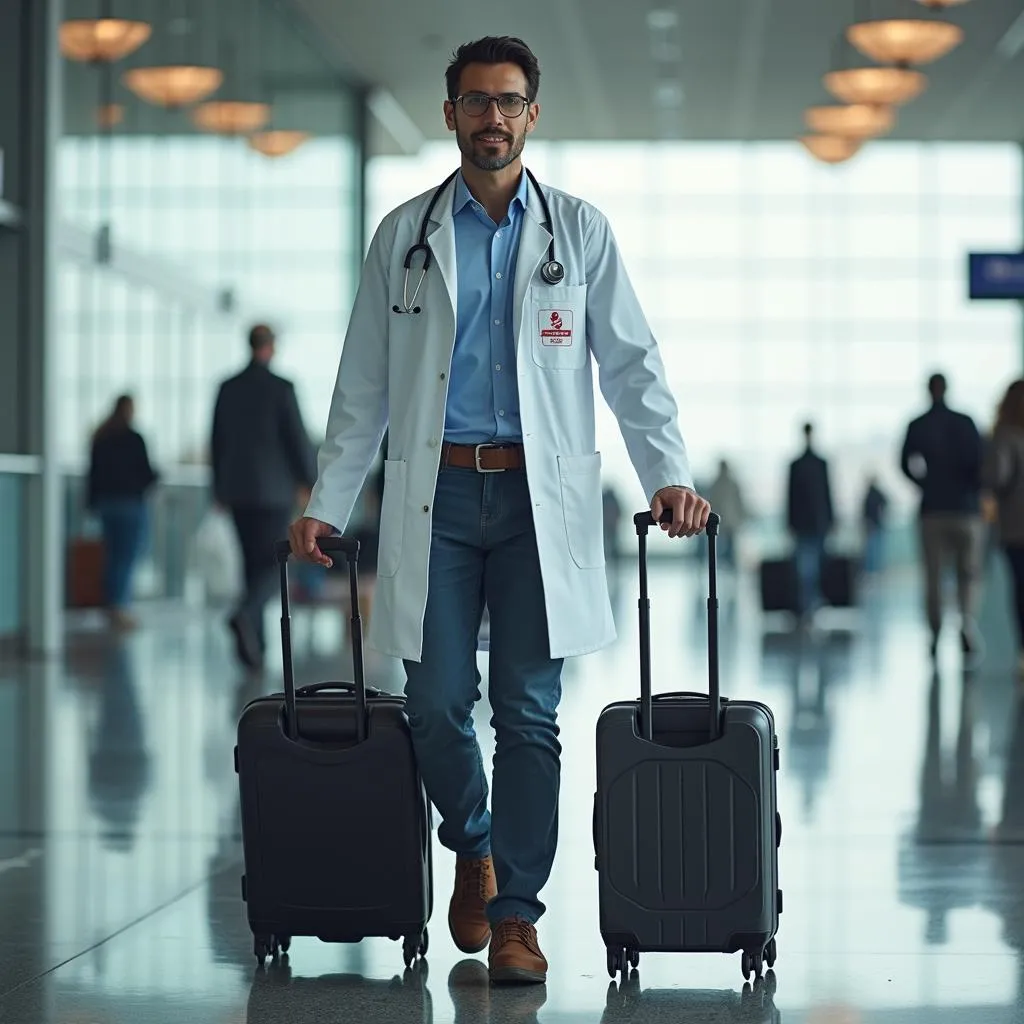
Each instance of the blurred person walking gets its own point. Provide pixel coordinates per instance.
(873, 512)
(120, 477)
(726, 499)
(942, 456)
(263, 465)
(810, 516)
(1003, 473)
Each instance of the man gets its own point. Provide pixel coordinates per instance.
(480, 367)
(727, 498)
(942, 456)
(810, 517)
(263, 464)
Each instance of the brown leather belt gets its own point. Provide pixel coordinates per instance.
(484, 458)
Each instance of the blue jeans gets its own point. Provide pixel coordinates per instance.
(810, 552)
(483, 548)
(124, 525)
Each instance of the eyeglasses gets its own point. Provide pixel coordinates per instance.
(476, 104)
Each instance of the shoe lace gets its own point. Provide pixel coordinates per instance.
(475, 879)
(517, 929)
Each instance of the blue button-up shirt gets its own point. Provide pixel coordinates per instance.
(483, 398)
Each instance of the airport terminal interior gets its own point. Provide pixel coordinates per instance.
(820, 206)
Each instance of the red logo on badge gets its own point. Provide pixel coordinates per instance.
(556, 327)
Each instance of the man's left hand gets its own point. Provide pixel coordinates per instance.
(689, 511)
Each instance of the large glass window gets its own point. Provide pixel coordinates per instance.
(209, 235)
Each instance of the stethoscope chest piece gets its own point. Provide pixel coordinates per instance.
(553, 272)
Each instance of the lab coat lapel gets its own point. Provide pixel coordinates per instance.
(533, 246)
(441, 238)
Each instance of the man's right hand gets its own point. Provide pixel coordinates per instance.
(303, 535)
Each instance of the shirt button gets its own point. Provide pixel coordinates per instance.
(497, 323)
(426, 508)
(498, 275)
(501, 412)
(442, 376)
(497, 234)
(497, 366)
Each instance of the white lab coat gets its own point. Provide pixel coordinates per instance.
(393, 375)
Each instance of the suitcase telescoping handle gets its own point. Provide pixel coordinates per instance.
(643, 521)
(348, 547)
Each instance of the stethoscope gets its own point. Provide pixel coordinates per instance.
(552, 271)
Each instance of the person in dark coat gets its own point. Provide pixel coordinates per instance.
(263, 464)
(120, 476)
(810, 518)
(942, 456)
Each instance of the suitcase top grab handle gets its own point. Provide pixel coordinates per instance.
(349, 547)
(643, 521)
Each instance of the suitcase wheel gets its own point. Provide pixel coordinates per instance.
(262, 948)
(753, 964)
(620, 960)
(769, 954)
(414, 946)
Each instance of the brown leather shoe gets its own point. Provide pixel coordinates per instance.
(515, 956)
(475, 887)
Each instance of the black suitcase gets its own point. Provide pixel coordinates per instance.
(686, 824)
(839, 577)
(336, 825)
(779, 585)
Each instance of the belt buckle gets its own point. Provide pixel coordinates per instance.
(476, 458)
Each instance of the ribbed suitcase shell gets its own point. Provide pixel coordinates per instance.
(686, 823)
(685, 829)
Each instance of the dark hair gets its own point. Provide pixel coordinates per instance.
(118, 419)
(260, 337)
(1011, 408)
(937, 386)
(494, 50)
(808, 429)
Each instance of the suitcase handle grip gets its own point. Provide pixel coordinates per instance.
(332, 544)
(643, 521)
(675, 694)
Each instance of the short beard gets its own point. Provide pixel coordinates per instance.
(496, 162)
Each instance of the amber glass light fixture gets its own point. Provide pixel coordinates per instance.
(905, 41)
(856, 121)
(277, 143)
(102, 40)
(885, 86)
(830, 149)
(231, 117)
(173, 85)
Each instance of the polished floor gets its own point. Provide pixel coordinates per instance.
(902, 861)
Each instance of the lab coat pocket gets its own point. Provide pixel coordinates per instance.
(579, 477)
(558, 327)
(392, 518)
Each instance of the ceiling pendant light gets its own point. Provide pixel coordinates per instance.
(231, 117)
(830, 149)
(858, 120)
(278, 142)
(879, 86)
(905, 41)
(101, 40)
(173, 85)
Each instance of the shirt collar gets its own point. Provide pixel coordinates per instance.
(463, 196)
